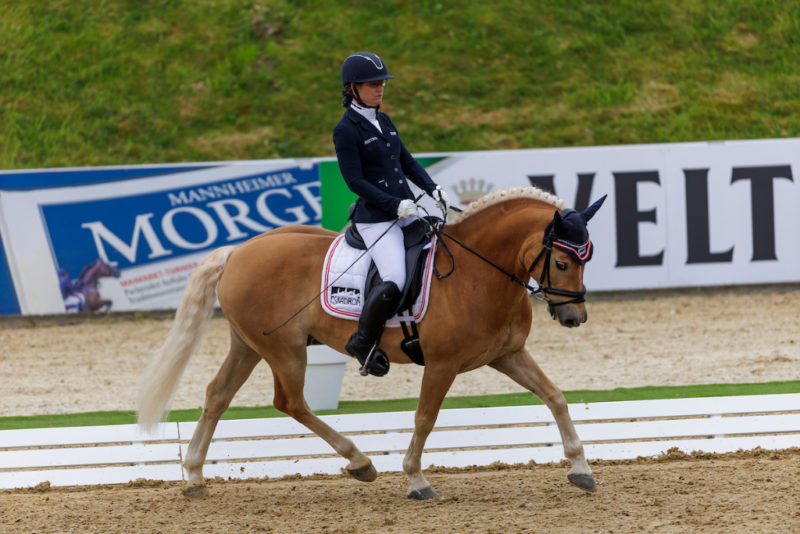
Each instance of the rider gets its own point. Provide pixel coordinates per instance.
(375, 165)
(74, 301)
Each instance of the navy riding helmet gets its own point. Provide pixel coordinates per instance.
(364, 67)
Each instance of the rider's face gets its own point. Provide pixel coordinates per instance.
(371, 92)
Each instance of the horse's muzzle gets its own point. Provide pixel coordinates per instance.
(569, 315)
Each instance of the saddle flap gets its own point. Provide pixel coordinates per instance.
(415, 262)
(417, 241)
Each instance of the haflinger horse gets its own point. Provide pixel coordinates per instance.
(477, 316)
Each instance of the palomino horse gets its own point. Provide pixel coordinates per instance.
(89, 277)
(476, 317)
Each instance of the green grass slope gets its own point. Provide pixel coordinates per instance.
(118, 82)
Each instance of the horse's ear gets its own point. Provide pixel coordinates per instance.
(558, 223)
(589, 212)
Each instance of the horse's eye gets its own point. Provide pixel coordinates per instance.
(561, 265)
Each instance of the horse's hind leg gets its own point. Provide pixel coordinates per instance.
(289, 378)
(524, 371)
(234, 372)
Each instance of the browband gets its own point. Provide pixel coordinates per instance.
(581, 253)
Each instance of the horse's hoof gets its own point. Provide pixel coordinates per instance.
(195, 492)
(422, 494)
(584, 482)
(365, 474)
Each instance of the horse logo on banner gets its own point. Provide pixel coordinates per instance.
(82, 295)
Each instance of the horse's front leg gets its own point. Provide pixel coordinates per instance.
(524, 371)
(436, 381)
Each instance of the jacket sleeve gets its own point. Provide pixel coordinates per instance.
(345, 141)
(415, 172)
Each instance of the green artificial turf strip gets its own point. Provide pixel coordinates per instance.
(395, 405)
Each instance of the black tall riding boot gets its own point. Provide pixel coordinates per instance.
(379, 305)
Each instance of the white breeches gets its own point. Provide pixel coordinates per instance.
(389, 252)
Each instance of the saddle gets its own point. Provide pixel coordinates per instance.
(416, 238)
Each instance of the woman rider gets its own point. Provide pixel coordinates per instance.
(375, 165)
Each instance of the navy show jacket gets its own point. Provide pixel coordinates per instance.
(375, 166)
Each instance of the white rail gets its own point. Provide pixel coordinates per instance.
(276, 447)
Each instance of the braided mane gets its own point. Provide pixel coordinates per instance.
(502, 195)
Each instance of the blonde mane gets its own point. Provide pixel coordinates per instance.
(502, 195)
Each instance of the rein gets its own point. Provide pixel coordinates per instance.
(574, 297)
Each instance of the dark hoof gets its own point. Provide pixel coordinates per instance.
(423, 494)
(584, 482)
(365, 474)
(195, 492)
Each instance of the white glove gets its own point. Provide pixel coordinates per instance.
(441, 198)
(406, 209)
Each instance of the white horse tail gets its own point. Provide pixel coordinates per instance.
(160, 380)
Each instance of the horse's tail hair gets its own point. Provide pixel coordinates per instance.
(160, 380)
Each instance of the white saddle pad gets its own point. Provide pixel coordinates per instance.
(343, 288)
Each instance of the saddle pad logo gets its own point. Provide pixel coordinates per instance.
(344, 274)
(349, 296)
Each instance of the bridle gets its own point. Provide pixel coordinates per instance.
(545, 286)
(574, 297)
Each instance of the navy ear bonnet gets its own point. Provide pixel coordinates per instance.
(567, 231)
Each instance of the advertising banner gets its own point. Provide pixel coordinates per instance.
(127, 238)
(677, 215)
(131, 244)
(9, 304)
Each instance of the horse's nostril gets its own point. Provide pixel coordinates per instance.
(571, 323)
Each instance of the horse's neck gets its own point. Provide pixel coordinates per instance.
(91, 274)
(505, 232)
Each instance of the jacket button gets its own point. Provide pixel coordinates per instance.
(391, 157)
(388, 144)
(399, 181)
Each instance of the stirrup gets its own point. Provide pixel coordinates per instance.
(370, 363)
(367, 361)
